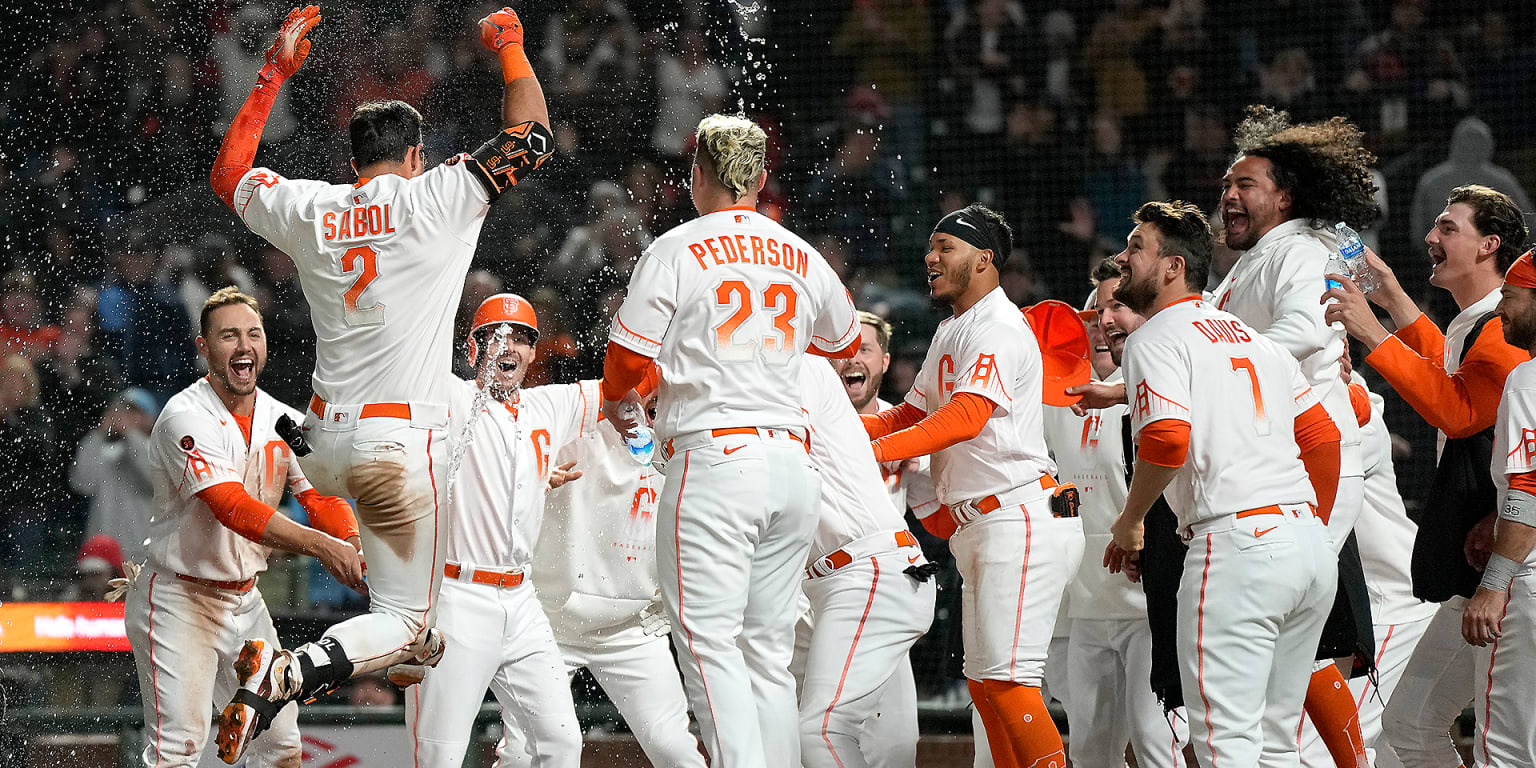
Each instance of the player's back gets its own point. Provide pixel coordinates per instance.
(728, 304)
(854, 503)
(1239, 392)
(382, 265)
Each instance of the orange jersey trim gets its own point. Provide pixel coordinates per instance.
(1360, 402)
(1164, 442)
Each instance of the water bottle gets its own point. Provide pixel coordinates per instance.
(643, 445)
(1353, 253)
(1336, 266)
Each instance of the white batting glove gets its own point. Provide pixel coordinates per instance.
(117, 588)
(653, 620)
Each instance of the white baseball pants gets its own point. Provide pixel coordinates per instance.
(1436, 686)
(1394, 647)
(185, 638)
(867, 616)
(1015, 562)
(1252, 603)
(397, 470)
(732, 536)
(1109, 671)
(1506, 684)
(497, 638)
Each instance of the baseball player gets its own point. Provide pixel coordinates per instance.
(1260, 573)
(595, 572)
(727, 305)
(1109, 665)
(219, 469)
(975, 408)
(382, 264)
(499, 637)
(1500, 618)
(1399, 619)
(871, 595)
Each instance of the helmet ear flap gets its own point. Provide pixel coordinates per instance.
(474, 351)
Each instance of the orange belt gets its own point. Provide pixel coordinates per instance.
(841, 557)
(501, 579)
(233, 586)
(371, 410)
(991, 503)
(1273, 509)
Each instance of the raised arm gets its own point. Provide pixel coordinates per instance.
(238, 152)
(522, 99)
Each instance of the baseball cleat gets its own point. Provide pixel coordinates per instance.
(269, 680)
(414, 670)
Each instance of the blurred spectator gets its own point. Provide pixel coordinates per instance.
(112, 469)
(688, 87)
(290, 335)
(1407, 78)
(1501, 71)
(987, 50)
(22, 330)
(1470, 162)
(604, 243)
(1194, 173)
(78, 378)
(100, 561)
(206, 267)
(239, 54)
(1115, 184)
(372, 691)
(1041, 170)
(1289, 83)
(1063, 255)
(889, 42)
(591, 63)
(852, 195)
(1120, 81)
(31, 474)
(396, 70)
(148, 325)
(1061, 75)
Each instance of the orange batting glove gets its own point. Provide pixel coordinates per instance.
(501, 29)
(291, 47)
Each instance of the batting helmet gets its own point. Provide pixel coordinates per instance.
(502, 308)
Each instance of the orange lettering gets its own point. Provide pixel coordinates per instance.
(947, 374)
(773, 252)
(715, 254)
(375, 220)
(329, 222)
(346, 225)
(359, 221)
(757, 250)
(741, 248)
(801, 262)
(698, 253)
(540, 440)
(388, 227)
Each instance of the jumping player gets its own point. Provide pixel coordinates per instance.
(727, 305)
(1260, 573)
(976, 409)
(219, 469)
(382, 264)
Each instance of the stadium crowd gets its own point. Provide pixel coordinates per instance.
(882, 114)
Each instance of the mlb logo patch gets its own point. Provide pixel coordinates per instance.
(740, 218)
(360, 198)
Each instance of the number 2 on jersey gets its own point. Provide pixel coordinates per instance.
(373, 314)
(1260, 421)
(779, 298)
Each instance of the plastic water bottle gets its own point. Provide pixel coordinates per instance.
(642, 447)
(1336, 266)
(1353, 252)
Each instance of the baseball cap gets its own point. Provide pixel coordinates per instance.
(1063, 348)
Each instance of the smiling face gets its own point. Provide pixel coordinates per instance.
(236, 347)
(1141, 271)
(1517, 309)
(863, 372)
(507, 357)
(1116, 319)
(1455, 246)
(1251, 203)
(951, 264)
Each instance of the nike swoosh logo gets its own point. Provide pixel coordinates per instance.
(913, 559)
(733, 449)
(1257, 533)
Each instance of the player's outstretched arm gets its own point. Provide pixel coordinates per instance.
(240, 512)
(238, 152)
(522, 99)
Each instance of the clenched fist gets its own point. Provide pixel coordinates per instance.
(501, 29)
(291, 47)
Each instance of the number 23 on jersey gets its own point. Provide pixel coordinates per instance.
(779, 300)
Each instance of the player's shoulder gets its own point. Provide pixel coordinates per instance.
(196, 399)
(1522, 377)
(995, 313)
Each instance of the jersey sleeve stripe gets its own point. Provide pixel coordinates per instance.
(623, 333)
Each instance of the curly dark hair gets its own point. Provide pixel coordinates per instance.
(1323, 165)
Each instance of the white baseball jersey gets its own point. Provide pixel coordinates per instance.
(988, 350)
(498, 504)
(727, 304)
(1385, 532)
(1514, 434)
(853, 499)
(909, 487)
(1090, 454)
(1274, 289)
(596, 561)
(382, 265)
(1191, 355)
(196, 444)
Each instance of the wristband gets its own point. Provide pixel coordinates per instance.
(1519, 507)
(270, 75)
(1499, 572)
(514, 62)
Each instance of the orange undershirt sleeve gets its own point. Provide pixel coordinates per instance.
(1360, 401)
(623, 369)
(958, 420)
(238, 151)
(1525, 481)
(237, 510)
(891, 419)
(1318, 438)
(329, 514)
(1460, 404)
(1164, 442)
(941, 523)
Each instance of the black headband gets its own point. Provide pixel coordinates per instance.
(969, 228)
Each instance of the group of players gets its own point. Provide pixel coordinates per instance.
(766, 535)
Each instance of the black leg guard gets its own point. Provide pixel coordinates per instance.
(321, 679)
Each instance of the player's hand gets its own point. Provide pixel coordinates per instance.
(1347, 306)
(563, 474)
(1131, 567)
(1129, 537)
(617, 413)
(357, 544)
(653, 620)
(1481, 621)
(342, 560)
(1095, 395)
(1479, 543)
(291, 47)
(501, 29)
(1391, 290)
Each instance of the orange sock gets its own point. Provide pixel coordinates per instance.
(1331, 706)
(1031, 731)
(997, 734)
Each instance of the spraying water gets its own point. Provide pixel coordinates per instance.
(477, 404)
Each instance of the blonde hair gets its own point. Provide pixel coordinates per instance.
(882, 329)
(16, 371)
(733, 150)
(224, 297)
